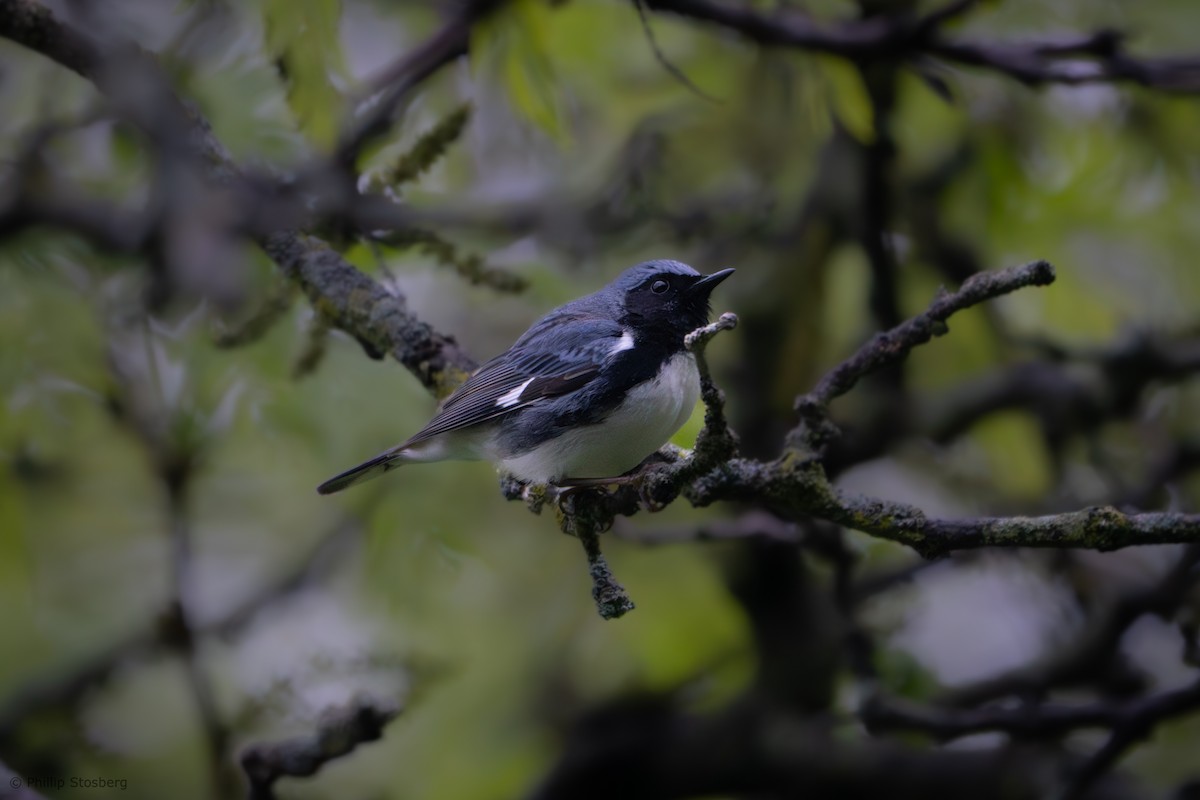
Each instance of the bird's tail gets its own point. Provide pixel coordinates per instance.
(384, 462)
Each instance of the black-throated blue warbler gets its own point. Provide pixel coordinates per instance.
(588, 392)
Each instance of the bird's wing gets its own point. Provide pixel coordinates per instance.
(560, 354)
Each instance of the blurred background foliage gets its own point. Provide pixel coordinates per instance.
(579, 154)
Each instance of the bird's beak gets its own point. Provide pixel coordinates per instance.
(709, 282)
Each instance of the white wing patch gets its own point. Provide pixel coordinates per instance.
(512, 398)
(624, 343)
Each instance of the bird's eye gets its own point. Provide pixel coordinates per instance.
(659, 287)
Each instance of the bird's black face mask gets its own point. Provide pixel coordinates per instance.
(670, 303)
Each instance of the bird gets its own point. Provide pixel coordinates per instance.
(586, 394)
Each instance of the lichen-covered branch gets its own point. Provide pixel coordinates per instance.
(609, 595)
(716, 442)
(339, 731)
(796, 486)
(1098, 528)
(375, 316)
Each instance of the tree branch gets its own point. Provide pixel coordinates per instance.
(1080, 59)
(1129, 720)
(396, 82)
(1136, 722)
(360, 306)
(716, 442)
(339, 731)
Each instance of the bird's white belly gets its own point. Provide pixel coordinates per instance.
(644, 422)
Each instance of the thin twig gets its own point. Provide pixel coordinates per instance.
(674, 71)
(715, 442)
(892, 346)
(397, 81)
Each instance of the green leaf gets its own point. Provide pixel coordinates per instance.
(302, 36)
(426, 151)
(514, 44)
(848, 98)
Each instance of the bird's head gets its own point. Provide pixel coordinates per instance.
(666, 297)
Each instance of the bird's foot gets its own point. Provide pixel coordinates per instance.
(642, 480)
(573, 484)
(645, 482)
